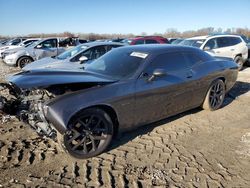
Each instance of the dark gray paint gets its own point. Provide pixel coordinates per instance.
(137, 101)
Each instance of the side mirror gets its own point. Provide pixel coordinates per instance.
(157, 73)
(82, 59)
(39, 46)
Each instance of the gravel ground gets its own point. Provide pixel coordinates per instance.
(194, 149)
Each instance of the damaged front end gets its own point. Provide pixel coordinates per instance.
(26, 94)
(27, 106)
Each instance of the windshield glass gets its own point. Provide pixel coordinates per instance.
(193, 42)
(245, 39)
(13, 42)
(118, 63)
(126, 41)
(177, 41)
(70, 53)
(33, 44)
(29, 44)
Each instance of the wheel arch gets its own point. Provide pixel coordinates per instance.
(214, 80)
(108, 109)
(23, 57)
(236, 55)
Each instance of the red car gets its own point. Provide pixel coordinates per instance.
(146, 40)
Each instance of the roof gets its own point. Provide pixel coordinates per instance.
(198, 37)
(91, 44)
(212, 36)
(158, 48)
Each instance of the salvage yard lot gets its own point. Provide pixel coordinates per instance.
(194, 149)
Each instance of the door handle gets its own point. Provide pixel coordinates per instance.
(217, 52)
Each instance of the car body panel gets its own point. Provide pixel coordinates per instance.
(42, 78)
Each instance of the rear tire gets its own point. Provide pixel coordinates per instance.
(89, 134)
(23, 61)
(240, 62)
(215, 96)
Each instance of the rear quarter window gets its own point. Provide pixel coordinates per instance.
(170, 62)
(193, 58)
(234, 40)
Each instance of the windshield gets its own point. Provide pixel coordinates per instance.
(13, 42)
(126, 41)
(118, 63)
(192, 42)
(70, 53)
(33, 44)
(245, 39)
(29, 44)
(177, 41)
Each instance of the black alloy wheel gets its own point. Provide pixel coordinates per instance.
(215, 96)
(89, 134)
(24, 61)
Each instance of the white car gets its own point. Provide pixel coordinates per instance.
(21, 44)
(229, 46)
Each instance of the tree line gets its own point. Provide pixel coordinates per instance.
(170, 33)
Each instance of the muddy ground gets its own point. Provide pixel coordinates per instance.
(194, 149)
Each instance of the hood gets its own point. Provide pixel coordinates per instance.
(42, 63)
(15, 49)
(44, 78)
(49, 62)
(223, 58)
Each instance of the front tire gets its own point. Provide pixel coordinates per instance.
(23, 61)
(215, 96)
(89, 134)
(240, 62)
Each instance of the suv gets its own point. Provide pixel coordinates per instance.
(230, 46)
(146, 40)
(43, 48)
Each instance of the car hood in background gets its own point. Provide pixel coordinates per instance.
(223, 58)
(42, 63)
(44, 78)
(55, 64)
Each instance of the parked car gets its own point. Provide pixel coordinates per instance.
(14, 41)
(71, 41)
(75, 57)
(177, 41)
(231, 46)
(146, 40)
(171, 40)
(125, 88)
(21, 44)
(40, 49)
(3, 42)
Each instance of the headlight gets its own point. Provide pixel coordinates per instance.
(9, 53)
(45, 109)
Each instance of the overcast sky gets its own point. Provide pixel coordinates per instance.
(18, 17)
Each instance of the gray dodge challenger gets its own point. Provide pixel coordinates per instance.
(84, 108)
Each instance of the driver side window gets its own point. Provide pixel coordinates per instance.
(170, 62)
(51, 43)
(91, 54)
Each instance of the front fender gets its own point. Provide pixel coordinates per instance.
(118, 96)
